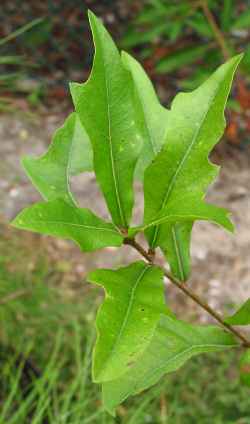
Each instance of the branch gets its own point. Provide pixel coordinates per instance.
(218, 35)
(190, 293)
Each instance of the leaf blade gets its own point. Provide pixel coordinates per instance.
(173, 344)
(153, 114)
(182, 167)
(58, 218)
(69, 153)
(134, 301)
(105, 105)
(241, 316)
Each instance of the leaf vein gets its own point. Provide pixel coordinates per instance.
(174, 177)
(90, 227)
(131, 301)
(115, 177)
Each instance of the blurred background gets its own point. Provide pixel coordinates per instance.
(46, 306)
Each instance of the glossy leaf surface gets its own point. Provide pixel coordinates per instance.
(105, 106)
(58, 218)
(128, 317)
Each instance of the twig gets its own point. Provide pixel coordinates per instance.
(216, 30)
(191, 294)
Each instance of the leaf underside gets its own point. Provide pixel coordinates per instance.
(128, 317)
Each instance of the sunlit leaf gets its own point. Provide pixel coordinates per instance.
(128, 317)
(105, 106)
(182, 169)
(58, 218)
(153, 115)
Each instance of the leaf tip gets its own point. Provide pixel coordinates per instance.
(93, 19)
(234, 62)
(230, 225)
(238, 57)
(17, 222)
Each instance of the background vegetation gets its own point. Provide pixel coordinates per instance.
(46, 340)
(46, 335)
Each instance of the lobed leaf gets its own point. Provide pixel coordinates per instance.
(188, 209)
(58, 218)
(69, 153)
(182, 169)
(128, 317)
(105, 106)
(173, 343)
(242, 316)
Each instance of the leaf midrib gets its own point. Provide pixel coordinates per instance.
(178, 253)
(174, 177)
(31, 221)
(113, 168)
(153, 146)
(68, 166)
(126, 318)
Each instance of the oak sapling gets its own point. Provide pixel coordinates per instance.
(121, 131)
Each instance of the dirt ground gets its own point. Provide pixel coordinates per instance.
(221, 261)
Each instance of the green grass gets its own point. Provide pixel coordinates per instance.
(45, 360)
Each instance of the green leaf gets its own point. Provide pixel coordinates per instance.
(200, 24)
(246, 59)
(105, 105)
(182, 171)
(243, 21)
(242, 316)
(58, 218)
(176, 248)
(128, 317)
(174, 342)
(153, 114)
(69, 154)
(181, 58)
(187, 208)
(245, 368)
(136, 38)
(227, 15)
